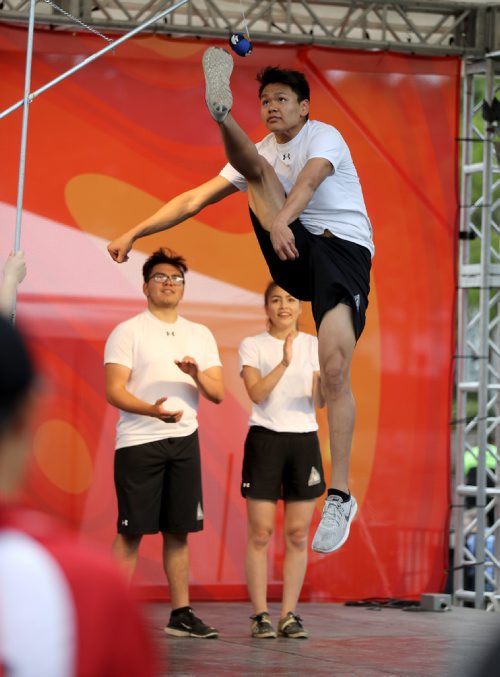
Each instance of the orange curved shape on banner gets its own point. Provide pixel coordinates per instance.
(63, 456)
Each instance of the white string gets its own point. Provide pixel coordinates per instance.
(247, 32)
(78, 21)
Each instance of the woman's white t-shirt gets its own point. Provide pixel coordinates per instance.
(289, 407)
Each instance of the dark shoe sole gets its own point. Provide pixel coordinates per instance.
(295, 635)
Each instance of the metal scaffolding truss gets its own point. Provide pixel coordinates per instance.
(477, 439)
(464, 28)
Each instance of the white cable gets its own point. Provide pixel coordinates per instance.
(247, 32)
(78, 21)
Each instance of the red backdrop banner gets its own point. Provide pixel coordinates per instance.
(108, 146)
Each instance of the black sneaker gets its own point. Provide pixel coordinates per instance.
(291, 626)
(186, 624)
(262, 628)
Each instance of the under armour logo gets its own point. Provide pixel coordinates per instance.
(286, 156)
(170, 333)
(125, 523)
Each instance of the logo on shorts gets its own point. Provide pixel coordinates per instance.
(245, 485)
(357, 301)
(314, 477)
(199, 512)
(124, 523)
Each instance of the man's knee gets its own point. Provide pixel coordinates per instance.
(335, 375)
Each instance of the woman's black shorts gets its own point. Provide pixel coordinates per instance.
(282, 465)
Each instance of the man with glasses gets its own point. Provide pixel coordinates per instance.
(156, 365)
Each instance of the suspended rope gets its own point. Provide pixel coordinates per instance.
(245, 25)
(76, 20)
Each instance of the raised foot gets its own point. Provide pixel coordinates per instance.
(217, 67)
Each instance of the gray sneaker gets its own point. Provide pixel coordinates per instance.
(217, 66)
(333, 529)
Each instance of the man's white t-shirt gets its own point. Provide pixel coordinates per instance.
(289, 407)
(337, 204)
(148, 347)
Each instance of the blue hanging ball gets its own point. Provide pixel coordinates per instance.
(240, 44)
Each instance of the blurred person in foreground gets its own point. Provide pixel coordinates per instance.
(64, 608)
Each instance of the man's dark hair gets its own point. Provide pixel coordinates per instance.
(163, 255)
(296, 80)
(16, 369)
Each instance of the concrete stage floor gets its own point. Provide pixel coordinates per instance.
(343, 641)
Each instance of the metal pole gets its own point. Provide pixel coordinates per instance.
(460, 436)
(484, 310)
(95, 56)
(24, 136)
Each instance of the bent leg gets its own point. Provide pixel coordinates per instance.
(176, 567)
(266, 195)
(298, 516)
(336, 345)
(265, 192)
(336, 342)
(260, 521)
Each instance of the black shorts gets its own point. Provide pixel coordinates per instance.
(328, 271)
(282, 465)
(158, 486)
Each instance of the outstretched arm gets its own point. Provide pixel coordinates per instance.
(175, 211)
(311, 176)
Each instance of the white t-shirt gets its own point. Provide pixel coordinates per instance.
(289, 407)
(148, 347)
(337, 204)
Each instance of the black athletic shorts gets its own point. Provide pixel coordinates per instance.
(158, 486)
(281, 465)
(328, 271)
